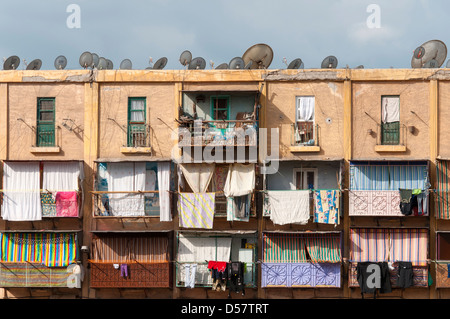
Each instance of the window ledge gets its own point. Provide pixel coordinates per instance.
(390, 148)
(303, 148)
(52, 149)
(135, 150)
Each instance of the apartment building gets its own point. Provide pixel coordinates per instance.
(223, 183)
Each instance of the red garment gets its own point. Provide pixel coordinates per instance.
(219, 265)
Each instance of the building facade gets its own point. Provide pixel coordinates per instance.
(223, 183)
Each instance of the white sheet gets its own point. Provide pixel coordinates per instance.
(390, 108)
(201, 249)
(21, 196)
(289, 207)
(305, 108)
(198, 176)
(126, 177)
(240, 180)
(61, 177)
(164, 195)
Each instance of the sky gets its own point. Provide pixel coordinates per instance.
(219, 30)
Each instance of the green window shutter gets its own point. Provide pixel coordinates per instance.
(137, 128)
(45, 135)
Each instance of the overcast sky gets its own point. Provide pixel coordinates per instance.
(219, 30)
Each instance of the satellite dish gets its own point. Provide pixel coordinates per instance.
(109, 64)
(126, 64)
(222, 66)
(34, 65)
(260, 54)
(11, 63)
(60, 62)
(430, 50)
(102, 63)
(95, 59)
(86, 60)
(197, 64)
(330, 62)
(237, 63)
(448, 64)
(185, 57)
(248, 65)
(296, 64)
(360, 67)
(160, 64)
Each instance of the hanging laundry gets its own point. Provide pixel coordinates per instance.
(189, 275)
(240, 180)
(66, 204)
(238, 208)
(48, 205)
(236, 277)
(124, 270)
(196, 210)
(406, 204)
(198, 176)
(218, 274)
(405, 275)
(289, 207)
(326, 208)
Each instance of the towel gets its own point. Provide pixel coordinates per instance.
(240, 180)
(66, 204)
(289, 207)
(196, 210)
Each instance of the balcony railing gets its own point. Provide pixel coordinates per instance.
(138, 135)
(125, 204)
(391, 134)
(304, 134)
(215, 133)
(45, 137)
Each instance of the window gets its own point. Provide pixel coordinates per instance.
(443, 246)
(304, 120)
(137, 129)
(45, 135)
(390, 120)
(305, 178)
(220, 110)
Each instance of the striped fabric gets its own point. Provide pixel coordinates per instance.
(126, 248)
(442, 189)
(196, 210)
(369, 245)
(295, 248)
(377, 245)
(409, 245)
(49, 249)
(388, 177)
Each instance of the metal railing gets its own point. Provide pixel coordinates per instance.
(125, 204)
(138, 135)
(304, 134)
(224, 132)
(41, 137)
(391, 134)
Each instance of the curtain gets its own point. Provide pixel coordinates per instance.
(126, 177)
(305, 108)
(136, 106)
(50, 249)
(409, 245)
(324, 248)
(390, 109)
(240, 180)
(284, 248)
(369, 245)
(61, 176)
(198, 176)
(203, 249)
(21, 196)
(164, 188)
(141, 248)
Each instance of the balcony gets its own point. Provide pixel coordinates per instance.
(45, 140)
(125, 204)
(218, 133)
(137, 139)
(304, 137)
(390, 137)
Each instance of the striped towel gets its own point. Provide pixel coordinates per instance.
(196, 210)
